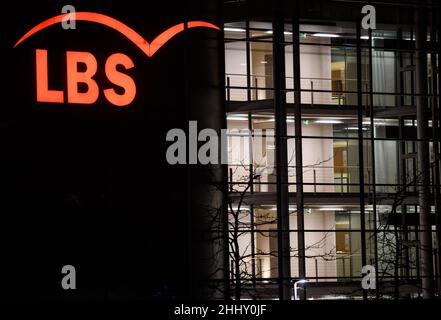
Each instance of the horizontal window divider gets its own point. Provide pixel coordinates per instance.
(324, 231)
(365, 47)
(365, 139)
(331, 91)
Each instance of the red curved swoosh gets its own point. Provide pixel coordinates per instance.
(132, 35)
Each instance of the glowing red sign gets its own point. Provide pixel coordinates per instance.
(74, 77)
(73, 58)
(132, 35)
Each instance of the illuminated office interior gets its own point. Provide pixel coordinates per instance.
(334, 109)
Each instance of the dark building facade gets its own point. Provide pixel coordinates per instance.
(88, 184)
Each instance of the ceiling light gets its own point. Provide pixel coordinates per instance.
(234, 29)
(286, 33)
(373, 38)
(290, 208)
(325, 35)
(237, 118)
(266, 120)
(328, 121)
(331, 209)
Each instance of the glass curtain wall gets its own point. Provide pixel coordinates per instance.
(350, 102)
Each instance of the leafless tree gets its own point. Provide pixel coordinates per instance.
(239, 225)
(394, 259)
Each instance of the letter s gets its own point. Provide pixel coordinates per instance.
(120, 79)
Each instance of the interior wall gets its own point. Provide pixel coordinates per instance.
(318, 155)
(236, 69)
(320, 246)
(315, 67)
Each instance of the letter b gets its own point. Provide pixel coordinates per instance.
(74, 77)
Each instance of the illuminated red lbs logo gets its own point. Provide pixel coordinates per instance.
(116, 61)
(75, 77)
